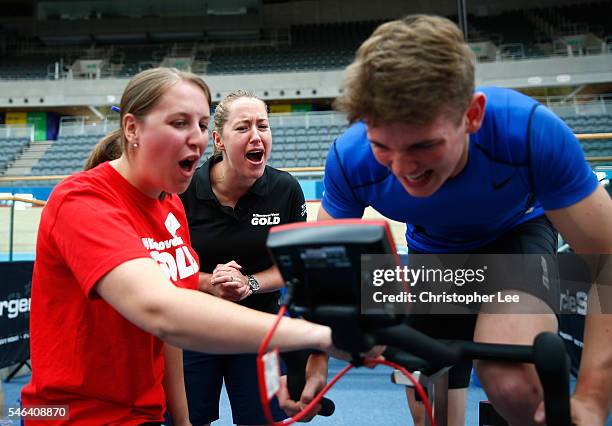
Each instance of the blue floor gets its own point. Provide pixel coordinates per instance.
(363, 397)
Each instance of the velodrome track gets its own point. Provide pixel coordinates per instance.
(26, 226)
(25, 229)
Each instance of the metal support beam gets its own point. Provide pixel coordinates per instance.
(96, 112)
(462, 18)
(11, 230)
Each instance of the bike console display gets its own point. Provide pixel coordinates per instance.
(321, 264)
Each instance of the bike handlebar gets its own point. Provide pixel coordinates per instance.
(547, 354)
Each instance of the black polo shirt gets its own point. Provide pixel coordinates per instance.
(220, 233)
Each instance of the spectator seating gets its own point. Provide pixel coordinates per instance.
(303, 145)
(596, 123)
(67, 155)
(516, 34)
(9, 150)
(292, 147)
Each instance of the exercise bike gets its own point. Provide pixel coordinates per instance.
(321, 265)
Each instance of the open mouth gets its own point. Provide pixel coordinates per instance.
(255, 156)
(420, 178)
(189, 163)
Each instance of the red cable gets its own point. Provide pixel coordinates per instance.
(262, 381)
(263, 394)
(417, 386)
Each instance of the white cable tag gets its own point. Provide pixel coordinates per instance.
(272, 372)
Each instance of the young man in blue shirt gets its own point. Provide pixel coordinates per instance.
(469, 170)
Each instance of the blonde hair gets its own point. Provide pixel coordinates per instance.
(140, 95)
(410, 70)
(222, 112)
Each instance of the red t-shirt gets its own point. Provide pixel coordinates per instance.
(84, 353)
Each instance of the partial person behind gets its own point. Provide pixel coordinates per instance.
(231, 204)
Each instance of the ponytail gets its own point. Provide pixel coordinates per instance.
(109, 148)
(216, 154)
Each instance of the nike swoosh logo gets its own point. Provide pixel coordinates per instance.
(500, 185)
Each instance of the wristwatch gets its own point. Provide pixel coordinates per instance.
(253, 284)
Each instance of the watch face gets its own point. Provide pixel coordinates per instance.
(253, 283)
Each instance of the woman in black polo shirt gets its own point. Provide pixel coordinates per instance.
(232, 201)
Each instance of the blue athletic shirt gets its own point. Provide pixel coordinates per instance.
(510, 177)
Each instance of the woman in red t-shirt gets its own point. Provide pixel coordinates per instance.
(112, 240)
